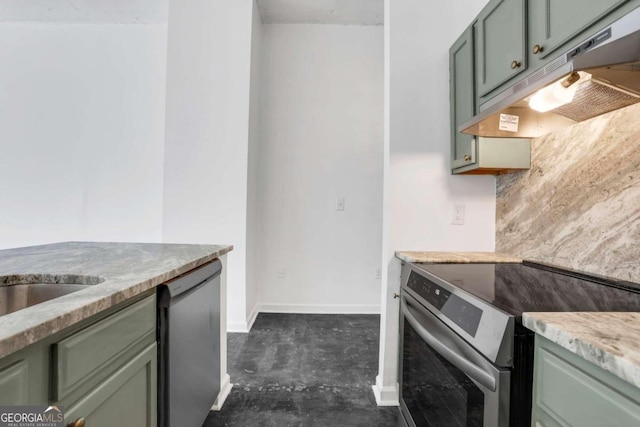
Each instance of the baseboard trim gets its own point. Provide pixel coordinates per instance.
(244, 327)
(239, 327)
(225, 389)
(319, 309)
(385, 395)
(252, 317)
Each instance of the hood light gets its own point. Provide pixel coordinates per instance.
(556, 94)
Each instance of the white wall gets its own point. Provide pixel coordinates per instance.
(320, 139)
(208, 81)
(419, 190)
(85, 11)
(81, 132)
(253, 213)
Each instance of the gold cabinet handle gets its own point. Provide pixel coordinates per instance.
(537, 49)
(467, 158)
(515, 64)
(77, 423)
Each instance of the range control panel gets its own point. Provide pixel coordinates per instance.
(434, 294)
(461, 312)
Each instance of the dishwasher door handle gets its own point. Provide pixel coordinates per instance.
(471, 369)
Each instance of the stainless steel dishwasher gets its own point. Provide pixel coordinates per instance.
(189, 346)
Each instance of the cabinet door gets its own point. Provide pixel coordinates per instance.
(14, 384)
(24, 376)
(500, 43)
(462, 98)
(554, 22)
(569, 391)
(92, 353)
(126, 399)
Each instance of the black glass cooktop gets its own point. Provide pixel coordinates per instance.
(517, 288)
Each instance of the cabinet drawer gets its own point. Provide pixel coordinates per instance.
(94, 349)
(571, 395)
(126, 399)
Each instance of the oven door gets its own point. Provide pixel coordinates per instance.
(444, 382)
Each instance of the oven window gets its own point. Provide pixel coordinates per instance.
(436, 393)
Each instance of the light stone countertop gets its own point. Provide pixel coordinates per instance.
(128, 269)
(456, 257)
(608, 340)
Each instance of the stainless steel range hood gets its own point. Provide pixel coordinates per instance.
(602, 73)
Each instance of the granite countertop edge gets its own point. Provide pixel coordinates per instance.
(456, 257)
(608, 340)
(137, 268)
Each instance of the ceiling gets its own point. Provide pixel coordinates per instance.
(85, 11)
(340, 12)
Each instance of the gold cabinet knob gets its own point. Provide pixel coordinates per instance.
(515, 64)
(396, 296)
(537, 49)
(467, 158)
(77, 423)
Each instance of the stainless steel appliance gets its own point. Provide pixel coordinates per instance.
(23, 295)
(465, 358)
(189, 346)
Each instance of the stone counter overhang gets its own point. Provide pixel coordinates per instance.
(456, 257)
(128, 269)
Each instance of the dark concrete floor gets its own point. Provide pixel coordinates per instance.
(304, 370)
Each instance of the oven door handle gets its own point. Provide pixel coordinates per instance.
(472, 370)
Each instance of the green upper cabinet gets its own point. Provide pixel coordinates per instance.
(462, 102)
(501, 36)
(469, 154)
(552, 23)
(508, 41)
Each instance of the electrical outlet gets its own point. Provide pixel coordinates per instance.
(458, 215)
(378, 273)
(340, 204)
(282, 272)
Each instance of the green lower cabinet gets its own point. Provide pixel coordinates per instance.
(14, 383)
(90, 356)
(24, 376)
(126, 399)
(103, 369)
(569, 391)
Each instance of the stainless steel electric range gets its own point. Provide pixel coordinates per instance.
(465, 358)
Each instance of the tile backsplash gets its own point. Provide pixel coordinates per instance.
(579, 204)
